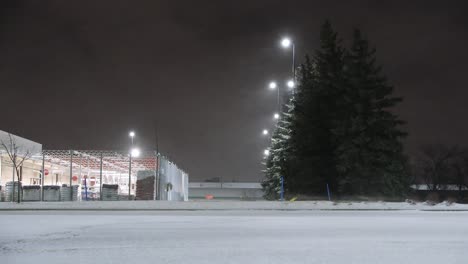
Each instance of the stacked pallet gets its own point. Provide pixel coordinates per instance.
(145, 185)
(75, 192)
(51, 193)
(9, 186)
(110, 192)
(31, 193)
(68, 193)
(65, 193)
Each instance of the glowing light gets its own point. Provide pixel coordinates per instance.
(135, 152)
(131, 134)
(286, 42)
(276, 116)
(266, 152)
(272, 85)
(265, 132)
(290, 84)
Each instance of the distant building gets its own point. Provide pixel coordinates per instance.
(31, 168)
(145, 177)
(226, 190)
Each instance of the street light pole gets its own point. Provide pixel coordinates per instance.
(132, 135)
(130, 175)
(278, 99)
(294, 62)
(273, 85)
(286, 43)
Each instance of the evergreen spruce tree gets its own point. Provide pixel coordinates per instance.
(276, 161)
(271, 182)
(338, 129)
(369, 153)
(315, 115)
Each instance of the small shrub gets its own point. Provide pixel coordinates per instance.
(450, 200)
(433, 197)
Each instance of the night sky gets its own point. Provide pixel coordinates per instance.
(81, 74)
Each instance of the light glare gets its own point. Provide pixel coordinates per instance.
(265, 132)
(135, 152)
(272, 85)
(276, 116)
(286, 42)
(290, 84)
(266, 152)
(131, 134)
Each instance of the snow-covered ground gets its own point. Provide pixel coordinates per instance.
(248, 236)
(230, 205)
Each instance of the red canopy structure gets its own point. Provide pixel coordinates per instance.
(117, 161)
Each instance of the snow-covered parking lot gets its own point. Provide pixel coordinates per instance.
(233, 237)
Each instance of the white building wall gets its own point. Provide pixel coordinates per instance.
(24, 145)
(227, 190)
(6, 171)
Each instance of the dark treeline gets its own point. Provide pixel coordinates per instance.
(441, 170)
(338, 128)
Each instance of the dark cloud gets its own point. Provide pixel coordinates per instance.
(80, 74)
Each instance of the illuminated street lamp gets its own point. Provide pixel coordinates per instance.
(276, 116)
(135, 153)
(266, 152)
(286, 43)
(272, 85)
(131, 135)
(290, 84)
(265, 132)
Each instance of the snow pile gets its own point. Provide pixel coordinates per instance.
(232, 205)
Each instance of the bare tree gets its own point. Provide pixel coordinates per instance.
(17, 158)
(436, 165)
(461, 173)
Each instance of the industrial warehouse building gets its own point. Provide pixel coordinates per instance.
(226, 190)
(53, 175)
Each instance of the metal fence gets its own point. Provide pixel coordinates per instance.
(87, 175)
(173, 182)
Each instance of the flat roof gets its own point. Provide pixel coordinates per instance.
(225, 185)
(111, 160)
